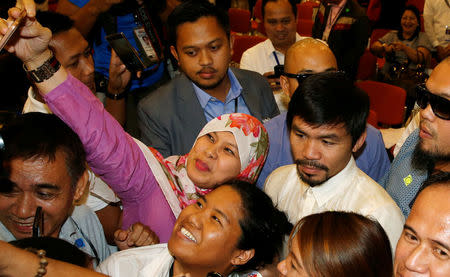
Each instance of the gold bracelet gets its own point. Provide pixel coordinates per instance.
(42, 270)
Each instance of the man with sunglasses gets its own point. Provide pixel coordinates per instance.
(427, 149)
(305, 58)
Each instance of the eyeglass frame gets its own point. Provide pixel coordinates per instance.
(432, 100)
(302, 76)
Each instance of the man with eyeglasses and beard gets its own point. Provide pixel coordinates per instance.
(427, 150)
(327, 121)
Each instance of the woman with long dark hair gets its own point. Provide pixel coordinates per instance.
(334, 244)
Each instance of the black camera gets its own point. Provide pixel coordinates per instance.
(278, 71)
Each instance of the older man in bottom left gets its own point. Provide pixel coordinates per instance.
(44, 165)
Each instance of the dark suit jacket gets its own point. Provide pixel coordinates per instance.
(171, 118)
(348, 37)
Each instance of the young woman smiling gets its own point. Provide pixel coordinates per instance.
(233, 229)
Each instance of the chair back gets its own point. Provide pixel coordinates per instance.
(367, 66)
(304, 27)
(374, 10)
(239, 20)
(257, 17)
(377, 34)
(419, 4)
(372, 119)
(242, 43)
(305, 10)
(386, 100)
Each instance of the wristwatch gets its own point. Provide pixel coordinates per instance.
(117, 96)
(45, 71)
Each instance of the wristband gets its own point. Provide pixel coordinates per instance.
(117, 96)
(45, 71)
(43, 262)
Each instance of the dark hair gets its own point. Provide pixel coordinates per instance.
(416, 12)
(57, 249)
(291, 2)
(191, 11)
(330, 98)
(263, 226)
(56, 22)
(343, 244)
(34, 135)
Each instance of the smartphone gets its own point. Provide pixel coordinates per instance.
(12, 29)
(126, 52)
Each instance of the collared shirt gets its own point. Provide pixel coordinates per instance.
(82, 229)
(213, 107)
(154, 260)
(436, 15)
(260, 58)
(350, 190)
(335, 11)
(372, 159)
(404, 180)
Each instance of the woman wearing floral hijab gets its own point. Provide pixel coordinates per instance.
(154, 190)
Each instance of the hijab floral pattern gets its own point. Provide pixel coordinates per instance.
(253, 145)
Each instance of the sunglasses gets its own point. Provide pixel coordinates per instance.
(439, 105)
(300, 77)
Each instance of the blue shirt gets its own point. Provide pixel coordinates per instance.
(372, 160)
(102, 53)
(213, 107)
(403, 180)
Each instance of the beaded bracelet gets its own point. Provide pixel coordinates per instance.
(42, 270)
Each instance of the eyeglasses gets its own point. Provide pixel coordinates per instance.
(439, 105)
(300, 77)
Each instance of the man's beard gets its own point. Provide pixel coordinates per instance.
(305, 178)
(423, 159)
(426, 159)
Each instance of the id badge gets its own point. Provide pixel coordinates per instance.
(145, 46)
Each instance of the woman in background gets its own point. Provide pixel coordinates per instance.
(407, 52)
(334, 244)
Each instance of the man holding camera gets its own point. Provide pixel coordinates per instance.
(120, 16)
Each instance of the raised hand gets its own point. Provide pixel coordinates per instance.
(30, 44)
(137, 235)
(119, 76)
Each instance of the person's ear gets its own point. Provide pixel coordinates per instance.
(242, 256)
(231, 44)
(81, 186)
(360, 141)
(174, 53)
(282, 267)
(284, 82)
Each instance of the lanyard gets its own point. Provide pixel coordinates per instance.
(333, 20)
(276, 57)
